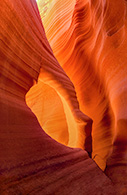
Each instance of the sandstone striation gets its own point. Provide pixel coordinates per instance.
(88, 39)
(77, 89)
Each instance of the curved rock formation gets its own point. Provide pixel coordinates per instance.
(86, 46)
(89, 40)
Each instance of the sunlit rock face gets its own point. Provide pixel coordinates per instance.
(89, 40)
(85, 77)
(31, 162)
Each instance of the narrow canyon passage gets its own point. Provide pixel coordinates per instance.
(63, 92)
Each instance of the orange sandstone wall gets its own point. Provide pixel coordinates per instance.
(31, 162)
(89, 40)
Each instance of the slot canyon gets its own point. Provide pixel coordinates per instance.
(63, 97)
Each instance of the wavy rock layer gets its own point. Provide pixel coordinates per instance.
(89, 40)
(31, 162)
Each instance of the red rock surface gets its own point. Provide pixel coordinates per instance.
(88, 39)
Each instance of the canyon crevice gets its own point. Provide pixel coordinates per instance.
(63, 93)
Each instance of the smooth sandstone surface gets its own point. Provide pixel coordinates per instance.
(84, 75)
